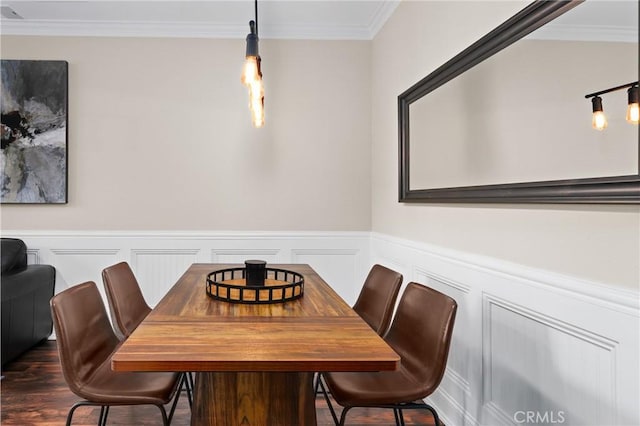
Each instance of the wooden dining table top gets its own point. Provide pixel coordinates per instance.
(190, 331)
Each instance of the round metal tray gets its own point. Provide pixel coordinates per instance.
(230, 285)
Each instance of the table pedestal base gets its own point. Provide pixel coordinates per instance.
(253, 399)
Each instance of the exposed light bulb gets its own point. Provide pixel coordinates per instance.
(256, 103)
(257, 117)
(250, 71)
(252, 75)
(633, 110)
(633, 113)
(599, 121)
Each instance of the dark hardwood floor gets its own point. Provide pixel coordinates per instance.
(34, 392)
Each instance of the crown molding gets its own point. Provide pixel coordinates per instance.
(294, 30)
(381, 17)
(585, 33)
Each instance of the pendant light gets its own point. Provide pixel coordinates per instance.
(252, 74)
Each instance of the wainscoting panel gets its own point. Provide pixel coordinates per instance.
(77, 265)
(335, 266)
(159, 258)
(459, 369)
(532, 361)
(240, 255)
(157, 270)
(529, 347)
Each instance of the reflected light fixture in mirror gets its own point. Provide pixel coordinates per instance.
(252, 74)
(443, 160)
(599, 120)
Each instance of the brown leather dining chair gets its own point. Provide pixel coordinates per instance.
(377, 297)
(421, 334)
(86, 342)
(128, 307)
(376, 300)
(126, 302)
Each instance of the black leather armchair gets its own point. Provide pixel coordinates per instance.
(25, 291)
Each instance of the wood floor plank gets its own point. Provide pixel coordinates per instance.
(34, 393)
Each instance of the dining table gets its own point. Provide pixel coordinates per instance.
(254, 363)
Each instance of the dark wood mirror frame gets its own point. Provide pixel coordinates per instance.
(599, 190)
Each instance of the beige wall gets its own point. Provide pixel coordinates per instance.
(160, 136)
(598, 243)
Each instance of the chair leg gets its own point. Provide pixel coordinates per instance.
(397, 410)
(71, 411)
(343, 416)
(326, 397)
(189, 385)
(436, 419)
(104, 412)
(102, 417)
(175, 401)
(165, 421)
(396, 416)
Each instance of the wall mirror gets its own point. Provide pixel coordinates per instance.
(506, 120)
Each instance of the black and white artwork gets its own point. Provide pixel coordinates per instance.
(34, 132)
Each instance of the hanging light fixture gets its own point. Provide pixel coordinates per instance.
(599, 120)
(252, 74)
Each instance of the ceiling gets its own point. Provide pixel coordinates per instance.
(298, 19)
(283, 19)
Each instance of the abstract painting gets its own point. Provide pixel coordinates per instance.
(33, 163)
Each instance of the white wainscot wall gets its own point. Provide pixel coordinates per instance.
(158, 259)
(529, 347)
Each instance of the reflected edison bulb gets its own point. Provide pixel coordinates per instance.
(599, 121)
(633, 110)
(633, 113)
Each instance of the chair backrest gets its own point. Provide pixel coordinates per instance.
(377, 298)
(84, 335)
(126, 302)
(421, 333)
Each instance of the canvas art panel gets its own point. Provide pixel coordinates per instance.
(34, 103)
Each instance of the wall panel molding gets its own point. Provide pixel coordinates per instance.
(579, 288)
(159, 257)
(33, 256)
(240, 255)
(527, 340)
(528, 356)
(83, 251)
(524, 338)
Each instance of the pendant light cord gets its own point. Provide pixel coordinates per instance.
(256, 13)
